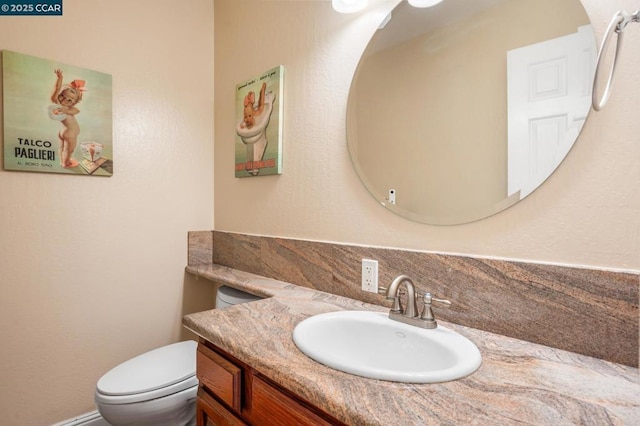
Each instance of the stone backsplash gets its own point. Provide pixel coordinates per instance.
(587, 311)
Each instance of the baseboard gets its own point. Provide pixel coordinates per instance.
(88, 419)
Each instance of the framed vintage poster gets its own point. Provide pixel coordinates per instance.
(57, 117)
(258, 144)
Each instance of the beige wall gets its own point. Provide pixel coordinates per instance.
(91, 269)
(587, 213)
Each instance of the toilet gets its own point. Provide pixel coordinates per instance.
(158, 387)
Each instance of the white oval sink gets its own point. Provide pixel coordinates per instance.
(369, 344)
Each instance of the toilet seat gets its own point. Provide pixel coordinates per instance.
(146, 396)
(154, 374)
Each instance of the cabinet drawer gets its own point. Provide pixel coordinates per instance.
(212, 413)
(220, 377)
(270, 406)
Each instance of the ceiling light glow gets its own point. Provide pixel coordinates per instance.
(423, 3)
(348, 6)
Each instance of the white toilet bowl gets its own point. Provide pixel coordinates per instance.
(159, 387)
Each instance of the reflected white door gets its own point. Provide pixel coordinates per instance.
(549, 96)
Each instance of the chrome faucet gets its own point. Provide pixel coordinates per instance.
(410, 314)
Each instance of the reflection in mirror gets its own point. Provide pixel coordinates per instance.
(458, 111)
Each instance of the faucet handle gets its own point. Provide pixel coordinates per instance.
(397, 305)
(427, 312)
(429, 299)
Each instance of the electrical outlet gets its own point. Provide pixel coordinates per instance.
(392, 196)
(370, 275)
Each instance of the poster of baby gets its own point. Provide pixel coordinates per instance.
(258, 145)
(57, 117)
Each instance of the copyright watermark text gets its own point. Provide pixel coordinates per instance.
(31, 7)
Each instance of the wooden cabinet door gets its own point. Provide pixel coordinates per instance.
(232, 393)
(270, 406)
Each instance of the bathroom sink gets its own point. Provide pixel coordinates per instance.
(369, 344)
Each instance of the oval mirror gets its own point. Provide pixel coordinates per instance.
(460, 110)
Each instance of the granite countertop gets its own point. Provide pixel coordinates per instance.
(518, 381)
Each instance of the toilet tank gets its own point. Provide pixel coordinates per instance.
(229, 296)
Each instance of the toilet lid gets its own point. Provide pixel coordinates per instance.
(152, 370)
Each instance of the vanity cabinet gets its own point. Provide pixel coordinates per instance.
(232, 393)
